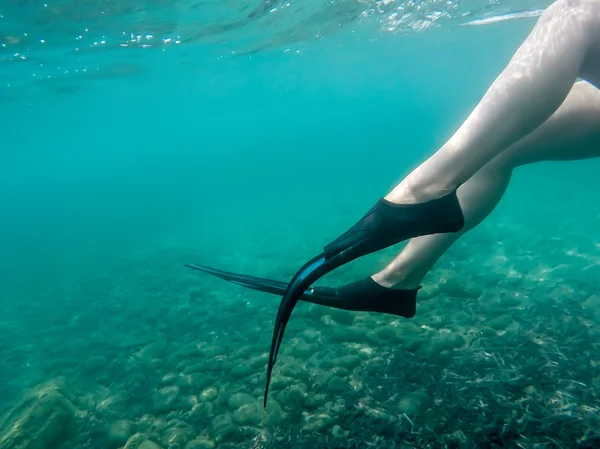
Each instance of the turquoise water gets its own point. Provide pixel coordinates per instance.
(120, 164)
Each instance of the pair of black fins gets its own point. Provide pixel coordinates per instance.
(384, 225)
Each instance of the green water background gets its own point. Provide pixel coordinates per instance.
(249, 163)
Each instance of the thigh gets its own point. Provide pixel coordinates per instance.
(571, 133)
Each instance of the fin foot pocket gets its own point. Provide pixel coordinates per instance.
(366, 295)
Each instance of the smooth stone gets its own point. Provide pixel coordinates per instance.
(414, 403)
(226, 432)
(501, 322)
(177, 436)
(318, 423)
(280, 382)
(386, 333)
(201, 413)
(338, 432)
(169, 378)
(488, 332)
(296, 394)
(165, 398)
(221, 421)
(149, 445)
(337, 384)
(295, 370)
(347, 361)
(242, 370)
(274, 414)
(209, 394)
(315, 401)
(40, 421)
(348, 334)
(344, 317)
(237, 400)
(201, 443)
(216, 365)
(244, 352)
(135, 441)
(258, 362)
(511, 299)
(407, 328)
(300, 349)
(412, 345)
(461, 318)
(247, 414)
(311, 334)
(447, 341)
(379, 415)
(365, 321)
(195, 368)
(329, 322)
(119, 432)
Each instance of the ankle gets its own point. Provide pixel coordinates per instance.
(424, 183)
(410, 192)
(397, 280)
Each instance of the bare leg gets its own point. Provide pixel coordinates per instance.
(571, 133)
(528, 91)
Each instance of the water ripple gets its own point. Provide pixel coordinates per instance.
(39, 39)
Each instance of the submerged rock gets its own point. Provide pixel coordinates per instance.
(347, 361)
(177, 436)
(342, 316)
(239, 399)
(202, 413)
(338, 432)
(337, 384)
(200, 443)
(248, 414)
(274, 414)
(257, 362)
(165, 398)
(148, 444)
(414, 404)
(135, 441)
(42, 420)
(348, 334)
(317, 423)
(300, 349)
(501, 322)
(294, 370)
(280, 382)
(209, 394)
(315, 401)
(119, 432)
(240, 371)
(296, 395)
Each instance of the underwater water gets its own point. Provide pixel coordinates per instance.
(138, 137)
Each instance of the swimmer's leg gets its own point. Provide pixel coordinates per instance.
(527, 92)
(572, 133)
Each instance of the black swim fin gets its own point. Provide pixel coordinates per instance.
(364, 295)
(384, 225)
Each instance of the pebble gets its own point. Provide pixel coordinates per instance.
(238, 400)
(200, 443)
(414, 404)
(149, 445)
(338, 432)
(248, 414)
(164, 399)
(315, 401)
(119, 432)
(208, 394)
